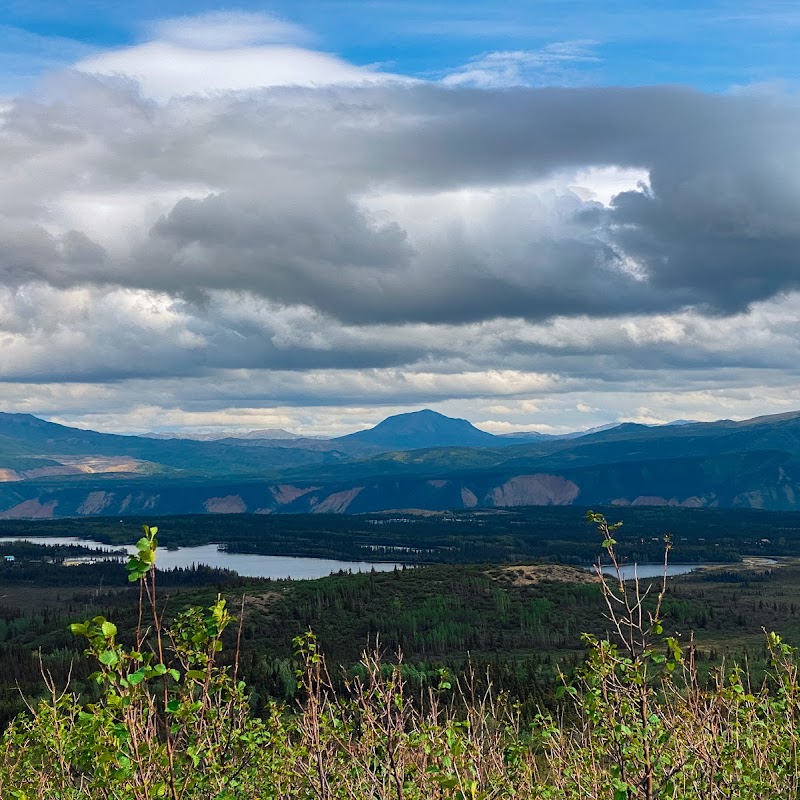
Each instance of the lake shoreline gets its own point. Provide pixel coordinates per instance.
(246, 565)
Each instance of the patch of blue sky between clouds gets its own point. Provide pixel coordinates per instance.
(711, 45)
(24, 56)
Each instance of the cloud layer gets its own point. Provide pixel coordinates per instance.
(171, 214)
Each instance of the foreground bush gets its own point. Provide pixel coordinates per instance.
(170, 722)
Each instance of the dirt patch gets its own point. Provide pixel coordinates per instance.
(31, 509)
(532, 574)
(535, 490)
(92, 465)
(285, 493)
(231, 504)
(96, 502)
(9, 475)
(769, 563)
(694, 502)
(650, 500)
(468, 498)
(337, 502)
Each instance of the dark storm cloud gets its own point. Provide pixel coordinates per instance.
(295, 249)
(717, 228)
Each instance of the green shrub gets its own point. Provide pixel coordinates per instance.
(169, 721)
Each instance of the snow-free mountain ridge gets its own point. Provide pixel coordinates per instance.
(421, 429)
(422, 460)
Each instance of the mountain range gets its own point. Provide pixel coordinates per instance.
(266, 433)
(421, 460)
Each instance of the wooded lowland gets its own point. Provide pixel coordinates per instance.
(574, 687)
(534, 533)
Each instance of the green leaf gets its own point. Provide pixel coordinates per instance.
(136, 678)
(135, 564)
(78, 628)
(109, 629)
(109, 658)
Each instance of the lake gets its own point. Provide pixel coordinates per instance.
(656, 570)
(629, 571)
(248, 565)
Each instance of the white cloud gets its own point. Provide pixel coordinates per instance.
(226, 51)
(345, 253)
(165, 70)
(500, 427)
(603, 183)
(502, 68)
(224, 30)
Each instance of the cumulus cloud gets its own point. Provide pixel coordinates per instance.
(328, 236)
(313, 197)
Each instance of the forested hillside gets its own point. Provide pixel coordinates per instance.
(49, 470)
(172, 708)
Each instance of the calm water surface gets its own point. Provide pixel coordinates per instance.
(248, 565)
(630, 571)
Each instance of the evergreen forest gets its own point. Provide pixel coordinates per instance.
(446, 680)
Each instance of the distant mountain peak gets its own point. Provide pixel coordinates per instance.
(423, 429)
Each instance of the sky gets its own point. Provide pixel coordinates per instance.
(534, 214)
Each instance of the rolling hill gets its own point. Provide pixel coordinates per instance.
(422, 460)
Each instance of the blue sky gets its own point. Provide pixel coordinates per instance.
(712, 46)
